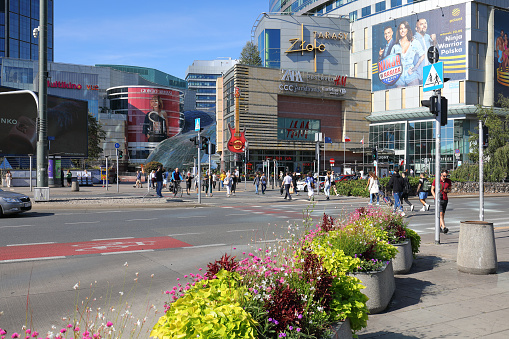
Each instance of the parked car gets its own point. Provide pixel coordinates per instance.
(345, 177)
(11, 202)
(301, 184)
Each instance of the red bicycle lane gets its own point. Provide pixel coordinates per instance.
(40, 251)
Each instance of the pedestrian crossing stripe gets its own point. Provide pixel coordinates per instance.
(433, 76)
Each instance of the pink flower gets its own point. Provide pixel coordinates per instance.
(76, 329)
(15, 335)
(109, 324)
(63, 330)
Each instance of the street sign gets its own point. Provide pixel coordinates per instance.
(374, 163)
(433, 55)
(197, 124)
(433, 77)
(332, 162)
(117, 145)
(457, 151)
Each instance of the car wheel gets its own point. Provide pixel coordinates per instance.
(1, 212)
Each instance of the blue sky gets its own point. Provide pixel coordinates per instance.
(164, 34)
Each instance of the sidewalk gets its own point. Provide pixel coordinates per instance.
(435, 300)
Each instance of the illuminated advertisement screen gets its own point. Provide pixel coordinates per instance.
(66, 126)
(153, 114)
(400, 47)
(501, 54)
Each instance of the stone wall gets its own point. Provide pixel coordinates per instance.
(473, 187)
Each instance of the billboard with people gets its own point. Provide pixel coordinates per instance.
(501, 54)
(153, 114)
(400, 47)
(66, 125)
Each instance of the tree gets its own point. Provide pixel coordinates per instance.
(95, 135)
(250, 55)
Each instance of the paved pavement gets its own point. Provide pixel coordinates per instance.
(434, 300)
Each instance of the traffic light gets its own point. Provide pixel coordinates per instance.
(432, 104)
(485, 136)
(204, 144)
(375, 153)
(443, 109)
(120, 154)
(194, 140)
(212, 148)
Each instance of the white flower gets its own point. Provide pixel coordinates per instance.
(76, 286)
(121, 293)
(320, 308)
(126, 264)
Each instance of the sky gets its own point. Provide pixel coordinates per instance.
(167, 35)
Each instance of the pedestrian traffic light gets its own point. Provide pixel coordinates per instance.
(120, 154)
(204, 144)
(485, 136)
(432, 104)
(443, 111)
(375, 153)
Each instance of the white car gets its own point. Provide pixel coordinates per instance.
(301, 184)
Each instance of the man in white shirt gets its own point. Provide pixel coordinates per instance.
(287, 182)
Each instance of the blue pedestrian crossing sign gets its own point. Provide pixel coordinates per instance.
(197, 124)
(433, 77)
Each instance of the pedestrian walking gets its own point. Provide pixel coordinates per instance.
(8, 178)
(159, 181)
(68, 176)
(227, 182)
(333, 190)
(294, 181)
(407, 188)
(152, 178)
(327, 185)
(233, 180)
(165, 179)
(310, 182)
(373, 188)
(222, 176)
(214, 179)
(423, 188)
(287, 182)
(189, 182)
(263, 180)
(396, 184)
(445, 187)
(256, 182)
(138, 180)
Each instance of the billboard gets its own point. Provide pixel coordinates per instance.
(501, 54)
(153, 114)
(400, 47)
(66, 125)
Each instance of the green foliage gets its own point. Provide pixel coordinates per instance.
(349, 302)
(497, 168)
(353, 187)
(96, 135)
(250, 55)
(149, 166)
(210, 309)
(415, 239)
(466, 172)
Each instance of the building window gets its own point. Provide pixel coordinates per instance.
(269, 45)
(395, 3)
(366, 38)
(403, 97)
(339, 3)
(353, 16)
(355, 67)
(380, 6)
(366, 11)
(368, 65)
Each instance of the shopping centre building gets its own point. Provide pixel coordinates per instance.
(387, 43)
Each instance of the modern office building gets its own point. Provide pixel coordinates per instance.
(18, 18)
(201, 77)
(464, 32)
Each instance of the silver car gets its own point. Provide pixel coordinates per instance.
(11, 202)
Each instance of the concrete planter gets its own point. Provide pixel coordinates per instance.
(403, 261)
(477, 253)
(380, 287)
(342, 330)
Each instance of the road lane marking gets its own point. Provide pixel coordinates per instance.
(202, 246)
(192, 216)
(142, 219)
(17, 226)
(174, 235)
(236, 214)
(125, 252)
(112, 239)
(30, 259)
(82, 222)
(251, 230)
(34, 243)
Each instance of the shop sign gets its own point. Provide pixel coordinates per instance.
(310, 89)
(63, 84)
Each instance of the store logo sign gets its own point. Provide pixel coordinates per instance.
(390, 69)
(290, 75)
(63, 84)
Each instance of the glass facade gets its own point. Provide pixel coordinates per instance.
(18, 18)
(415, 142)
(269, 45)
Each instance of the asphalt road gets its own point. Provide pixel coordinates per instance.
(45, 253)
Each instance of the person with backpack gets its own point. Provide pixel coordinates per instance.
(407, 188)
(423, 189)
(397, 185)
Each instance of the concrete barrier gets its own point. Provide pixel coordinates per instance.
(403, 261)
(477, 253)
(75, 186)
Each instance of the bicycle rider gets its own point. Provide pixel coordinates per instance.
(176, 178)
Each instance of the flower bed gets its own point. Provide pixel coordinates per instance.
(297, 291)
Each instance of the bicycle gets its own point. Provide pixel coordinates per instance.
(176, 188)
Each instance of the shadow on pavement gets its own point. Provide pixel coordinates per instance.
(27, 215)
(386, 334)
(425, 263)
(503, 267)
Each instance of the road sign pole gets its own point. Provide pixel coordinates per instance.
(437, 169)
(117, 171)
(199, 165)
(481, 172)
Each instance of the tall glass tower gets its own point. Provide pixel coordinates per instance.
(18, 18)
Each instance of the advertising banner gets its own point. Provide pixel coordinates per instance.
(501, 54)
(66, 125)
(400, 47)
(153, 114)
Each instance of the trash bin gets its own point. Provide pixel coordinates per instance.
(75, 185)
(477, 253)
